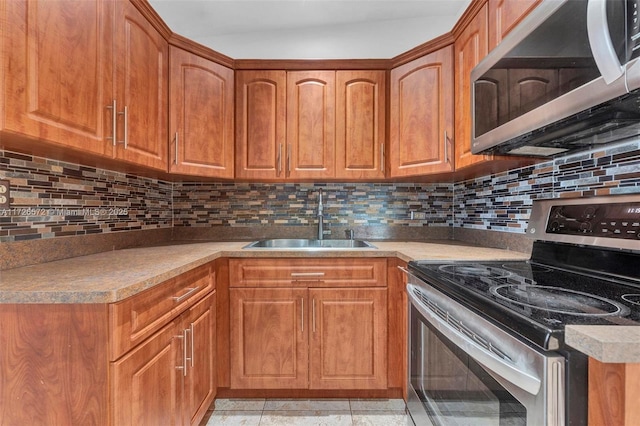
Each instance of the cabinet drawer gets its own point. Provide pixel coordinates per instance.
(136, 318)
(325, 272)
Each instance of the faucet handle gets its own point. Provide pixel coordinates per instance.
(349, 234)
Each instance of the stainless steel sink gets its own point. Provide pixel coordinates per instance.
(303, 244)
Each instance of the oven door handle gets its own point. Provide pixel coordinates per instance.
(488, 360)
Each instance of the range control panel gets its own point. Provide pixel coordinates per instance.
(613, 220)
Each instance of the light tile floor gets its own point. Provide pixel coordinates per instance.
(306, 412)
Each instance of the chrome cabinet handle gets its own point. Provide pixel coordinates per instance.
(126, 127)
(446, 147)
(382, 157)
(302, 314)
(189, 292)
(193, 344)
(125, 141)
(313, 315)
(184, 350)
(183, 367)
(289, 160)
(279, 159)
(307, 274)
(114, 122)
(175, 160)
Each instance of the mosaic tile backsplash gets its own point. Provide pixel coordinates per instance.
(249, 204)
(502, 202)
(52, 199)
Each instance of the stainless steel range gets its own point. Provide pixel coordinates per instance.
(486, 339)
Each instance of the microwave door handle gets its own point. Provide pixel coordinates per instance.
(488, 360)
(600, 41)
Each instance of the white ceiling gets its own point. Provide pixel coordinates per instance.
(310, 29)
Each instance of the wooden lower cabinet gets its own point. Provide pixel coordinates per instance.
(308, 338)
(268, 338)
(58, 365)
(614, 394)
(169, 379)
(348, 344)
(147, 388)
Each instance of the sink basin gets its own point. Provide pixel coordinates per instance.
(302, 244)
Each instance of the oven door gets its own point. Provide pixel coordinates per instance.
(458, 377)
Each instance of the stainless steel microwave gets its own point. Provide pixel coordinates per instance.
(567, 78)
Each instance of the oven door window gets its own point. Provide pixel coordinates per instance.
(454, 389)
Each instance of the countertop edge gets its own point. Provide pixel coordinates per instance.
(609, 344)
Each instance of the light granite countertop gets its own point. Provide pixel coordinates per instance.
(115, 275)
(615, 344)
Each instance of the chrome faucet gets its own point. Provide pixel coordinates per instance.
(320, 217)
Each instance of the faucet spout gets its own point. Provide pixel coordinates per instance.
(320, 217)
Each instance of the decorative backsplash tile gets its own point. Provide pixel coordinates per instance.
(52, 199)
(502, 202)
(295, 204)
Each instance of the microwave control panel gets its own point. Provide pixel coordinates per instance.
(617, 220)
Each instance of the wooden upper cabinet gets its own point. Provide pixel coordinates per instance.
(360, 124)
(261, 109)
(88, 75)
(58, 72)
(470, 48)
(142, 65)
(421, 110)
(200, 116)
(311, 124)
(504, 15)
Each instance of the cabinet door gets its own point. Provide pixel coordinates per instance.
(146, 384)
(469, 48)
(57, 73)
(421, 109)
(311, 124)
(260, 124)
(504, 15)
(200, 383)
(200, 115)
(269, 338)
(360, 124)
(348, 344)
(142, 66)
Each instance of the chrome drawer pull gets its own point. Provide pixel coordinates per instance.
(189, 292)
(307, 274)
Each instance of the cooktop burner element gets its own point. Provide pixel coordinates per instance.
(632, 298)
(560, 300)
(475, 270)
(525, 267)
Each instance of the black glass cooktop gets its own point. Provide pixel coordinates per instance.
(536, 301)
